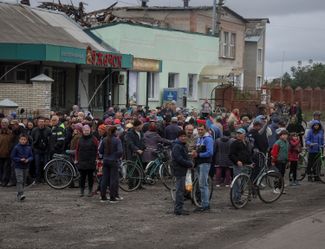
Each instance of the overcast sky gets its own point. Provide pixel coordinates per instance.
(296, 31)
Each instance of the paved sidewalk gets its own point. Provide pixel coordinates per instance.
(307, 233)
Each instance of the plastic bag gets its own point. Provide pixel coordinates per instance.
(188, 181)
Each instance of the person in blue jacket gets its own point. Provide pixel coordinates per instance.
(203, 159)
(21, 156)
(315, 143)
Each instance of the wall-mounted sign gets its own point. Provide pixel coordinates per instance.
(103, 59)
(146, 65)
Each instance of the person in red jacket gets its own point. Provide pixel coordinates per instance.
(294, 150)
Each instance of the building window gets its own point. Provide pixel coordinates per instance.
(58, 89)
(94, 82)
(133, 86)
(153, 85)
(21, 75)
(192, 86)
(228, 49)
(258, 82)
(173, 79)
(259, 55)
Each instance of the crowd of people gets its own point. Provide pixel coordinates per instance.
(215, 144)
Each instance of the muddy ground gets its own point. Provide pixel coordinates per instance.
(144, 219)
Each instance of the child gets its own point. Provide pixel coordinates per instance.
(21, 155)
(279, 152)
(294, 150)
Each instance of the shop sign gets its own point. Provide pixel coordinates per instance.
(103, 59)
(146, 65)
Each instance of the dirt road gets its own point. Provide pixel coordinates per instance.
(61, 219)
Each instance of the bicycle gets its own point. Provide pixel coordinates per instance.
(195, 194)
(268, 185)
(132, 174)
(60, 171)
(318, 166)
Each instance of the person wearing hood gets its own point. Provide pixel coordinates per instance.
(203, 158)
(315, 143)
(85, 158)
(221, 159)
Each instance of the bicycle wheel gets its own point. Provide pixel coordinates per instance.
(130, 176)
(240, 191)
(319, 166)
(270, 187)
(166, 176)
(58, 173)
(196, 193)
(301, 167)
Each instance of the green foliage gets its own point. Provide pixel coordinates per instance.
(303, 76)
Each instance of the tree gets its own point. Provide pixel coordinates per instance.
(312, 75)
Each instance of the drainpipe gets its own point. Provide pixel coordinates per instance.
(127, 89)
(214, 13)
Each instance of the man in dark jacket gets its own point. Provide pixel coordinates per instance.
(40, 136)
(181, 162)
(240, 155)
(172, 130)
(57, 137)
(135, 144)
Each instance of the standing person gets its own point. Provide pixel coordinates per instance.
(111, 150)
(102, 132)
(17, 130)
(181, 162)
(240, 151)
(172, 130)
(294, 150)
(86, 153)
(240, 155)
(203, 157)
(57, 138)
(6, 141)
(280, 152)
(190, 137)
(135, 140)
(21, 156)
(40, 136)
(296, 127)
(222, 160)
(314, 142)
(151, 140)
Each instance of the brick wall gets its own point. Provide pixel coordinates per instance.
(309, 98)
(34, 98)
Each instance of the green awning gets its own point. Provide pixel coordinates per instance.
(51, 53)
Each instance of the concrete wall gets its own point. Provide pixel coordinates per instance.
(250, 65)
(180, 52)
(34, 98)
(195, 21)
